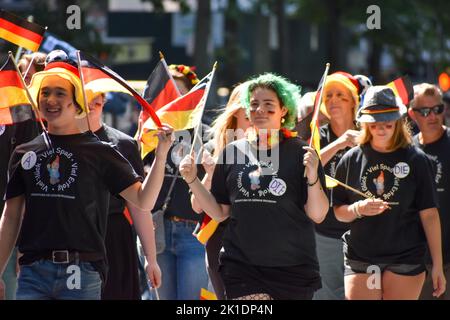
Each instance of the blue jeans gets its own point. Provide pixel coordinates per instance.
(10, 277)
(331, 262)
(182, 263)
(45, 280)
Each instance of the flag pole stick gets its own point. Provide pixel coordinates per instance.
(205, 96)
(354, 190)
(319, 102)
(161, 57)
(33, 104)
(317, 107)
(80, 71)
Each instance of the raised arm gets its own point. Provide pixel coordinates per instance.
(209, 164)
(348, 139)
(316, 206)
(144, 195)
(205, 199)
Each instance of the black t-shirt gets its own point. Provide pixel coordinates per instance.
(180, 202)
(268, 225)
(128, 147)
(331, 227)
(67, 191)
(439, 154)
(403, 176)
(10, 137)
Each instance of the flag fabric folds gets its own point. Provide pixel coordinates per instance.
(403, 89)
(87, 61)
(206, 229)
(20, 31)
(96, 81)
(315, 135)
(14, 104)
(207, 295)
(182, 113)
(160, 88)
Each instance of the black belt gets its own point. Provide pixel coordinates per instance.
(61, 256)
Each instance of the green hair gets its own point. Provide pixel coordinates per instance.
(287, 92)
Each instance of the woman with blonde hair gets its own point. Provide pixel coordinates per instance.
(389, 229)
(340, 103)
(229, 126)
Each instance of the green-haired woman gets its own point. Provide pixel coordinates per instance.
(259, 184)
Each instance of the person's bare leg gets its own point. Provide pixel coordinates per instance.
(401, 287)
(359, 287)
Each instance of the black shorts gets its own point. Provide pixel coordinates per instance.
(355, 266)
(281, 283)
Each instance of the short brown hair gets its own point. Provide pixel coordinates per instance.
(426, 89)
(400, 139)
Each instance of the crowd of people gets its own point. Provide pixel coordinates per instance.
(78, 197)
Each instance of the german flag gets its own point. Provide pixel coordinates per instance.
(94, 63)
(207, 295)
(403, 89)
(160, 89)
(96, 81)
(21, 32)
(206, 229)
(182, 113)
(14, 104)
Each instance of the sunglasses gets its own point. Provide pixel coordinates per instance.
(424, 112)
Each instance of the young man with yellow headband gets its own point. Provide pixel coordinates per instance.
(58, 194)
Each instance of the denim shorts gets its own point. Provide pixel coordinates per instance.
(355, 266)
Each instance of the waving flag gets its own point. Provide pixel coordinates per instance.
(160, 88)
(20, 31)
(207, 295)
(96, 81)
(403, 88)
(315, 136)
(94, 63)
(206, 229)
(14, 104)
(182, 113)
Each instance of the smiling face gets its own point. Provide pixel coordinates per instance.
(266, 110)
(338, 101)
(57, 105)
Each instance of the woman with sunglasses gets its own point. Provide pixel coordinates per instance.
(390, 227)
(259, 184)
(427, 110)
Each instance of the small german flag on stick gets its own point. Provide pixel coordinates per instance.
(14, 103)
(21, 32)
(403, 89)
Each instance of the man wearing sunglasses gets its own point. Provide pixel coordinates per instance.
(427, 110)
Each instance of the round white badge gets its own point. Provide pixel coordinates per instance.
(277, 187)
(28, 160)
(2, 129)
(401, 170)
